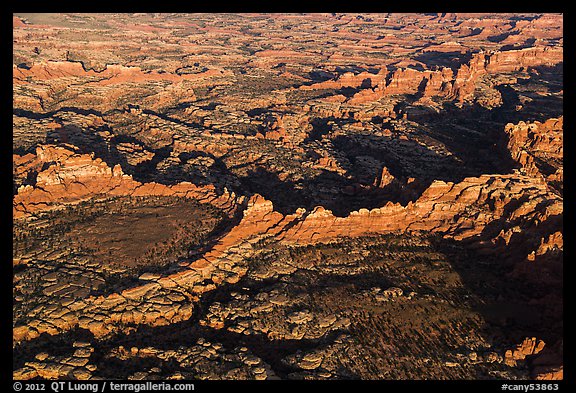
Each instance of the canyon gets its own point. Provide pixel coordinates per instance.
(288, 196)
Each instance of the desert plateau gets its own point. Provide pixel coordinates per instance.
(280, 196)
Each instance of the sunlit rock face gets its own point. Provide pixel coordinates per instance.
(288, 196)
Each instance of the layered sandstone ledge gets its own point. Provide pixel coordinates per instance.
(538, 148)
(445, 82)
(111, 74)
(339, 113)
(65, 176)
(515, 203)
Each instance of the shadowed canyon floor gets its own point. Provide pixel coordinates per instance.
(282, 196)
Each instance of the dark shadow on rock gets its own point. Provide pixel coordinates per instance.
(463, 142)
(518, 299)
(529, 43)
(328, 189)
(506, 303)
(59, 345)
(257, 112)
(501, 37)
(283, 193)
(403, 158)
(36, 115)
(167, 117)
(320, 127)
(349, 91)
(473, 134)
(186, 333)
(435, 59)
(88, 141)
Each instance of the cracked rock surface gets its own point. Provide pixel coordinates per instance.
(279, 196)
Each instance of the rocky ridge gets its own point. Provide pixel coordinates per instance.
(264, 196)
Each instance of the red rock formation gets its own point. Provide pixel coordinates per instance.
(348, 79)
(404, 81)
(103, 90)
(273, 128)
(500, 62)
(545, 361)
(549, 373)
(384, 179)
(535, 144)
(525, 140)
(327, 163)
(457, 210)
(218, 265)
(548, 364)
(17, 22)
(528, 347)
(441, 83)
(454, 210)
(113, 74)
(159, 67)
(71, 177)
(552, 242)
(516, 60)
